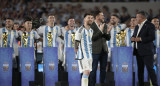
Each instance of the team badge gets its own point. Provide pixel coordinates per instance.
(28, 66)
(5, 66)
(51, 66)
(125, 67)
(74, 66)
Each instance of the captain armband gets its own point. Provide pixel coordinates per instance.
(76, 44)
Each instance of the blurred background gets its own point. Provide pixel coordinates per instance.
(63, 9)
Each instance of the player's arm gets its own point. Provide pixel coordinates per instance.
(77, 40)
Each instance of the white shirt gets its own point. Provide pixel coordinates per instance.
(43, 30)
(67, 37)
(129, 33)
(11, 37)
(112, 42)
(139, 29)
(31, 38)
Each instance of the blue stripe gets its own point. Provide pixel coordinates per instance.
(56, 37)
(29, 36)
(155, 41)
(66, 39)
(114, 38)
(14, 37)
(9, 38)
(51, 33)
(90, 46)
(46, 31)
(129, 35)
(119, 27)
(71, 38)
(33, 39)
(85, 44)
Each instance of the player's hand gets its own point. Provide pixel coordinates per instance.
(109, 28)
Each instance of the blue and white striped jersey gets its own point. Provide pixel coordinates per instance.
(112, 42)
(157, 38)
(11, 37)
(85, 46)
(129, 33)
(31, 38)
(67, 37)
(43, 30)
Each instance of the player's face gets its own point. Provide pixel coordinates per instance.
(88, 19)
(133, 22)
(9, 23)
(71, 22)
(155, 22)
(101, 17)
(28, 24)
(114, 20)
(16, 26)
(51, 19)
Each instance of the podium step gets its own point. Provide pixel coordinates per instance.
(109, 76)
(62, 83)
(34, 83)
(63, 76)
(39, 77)
(16, 78)
(104, 84)
(145, 84)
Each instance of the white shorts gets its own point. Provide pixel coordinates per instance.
(85, 64)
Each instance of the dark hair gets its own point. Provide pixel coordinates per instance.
(16, 23)
(96, 13)
(143, 13)
(86, 14)
(51, 14)
(115, 16)
(70, 18)
(10, 18)
(132, 17)
(27, 18)
(155, 18)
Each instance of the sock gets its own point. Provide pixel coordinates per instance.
(84, 81)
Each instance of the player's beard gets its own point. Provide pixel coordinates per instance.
(89, 23)
(113, 23)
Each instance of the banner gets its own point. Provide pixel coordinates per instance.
(27, 65)
(114, 62)
(74, 77)
(122, 65)
(51, 65)
(6, 66)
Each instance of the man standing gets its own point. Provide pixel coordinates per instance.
(8, 30)
(83, 48)
(67, 32)
(52, 28)
(99, 47)
(143, 37)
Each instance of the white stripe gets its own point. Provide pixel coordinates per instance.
(157, 38)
